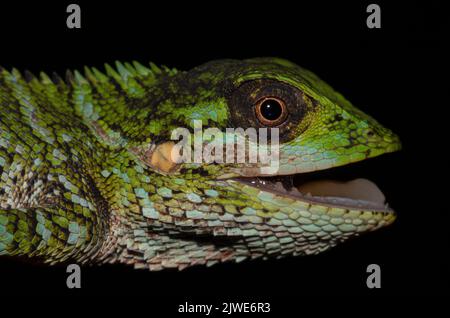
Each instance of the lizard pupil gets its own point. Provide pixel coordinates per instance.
(271, 109)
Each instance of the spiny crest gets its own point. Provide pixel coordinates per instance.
(27, 81)
(31, 79)
(130, 76)
(124, 72)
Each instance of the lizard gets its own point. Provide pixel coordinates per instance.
(87, 175)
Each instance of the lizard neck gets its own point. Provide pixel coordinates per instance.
(121, 107)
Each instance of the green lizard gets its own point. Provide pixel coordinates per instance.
(85, 173)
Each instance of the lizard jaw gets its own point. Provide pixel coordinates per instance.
(355, 194)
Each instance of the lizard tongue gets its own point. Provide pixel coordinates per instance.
(358, 189)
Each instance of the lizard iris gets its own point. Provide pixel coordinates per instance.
(85, 173)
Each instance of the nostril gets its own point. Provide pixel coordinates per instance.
(370, 133)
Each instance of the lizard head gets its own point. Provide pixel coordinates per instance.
(268, 208)
(133, 194)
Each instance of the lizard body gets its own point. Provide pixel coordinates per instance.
(84, 175)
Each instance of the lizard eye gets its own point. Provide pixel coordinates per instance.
(270, 103)
(271, 111)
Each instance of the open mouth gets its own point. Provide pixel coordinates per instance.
(335, 187)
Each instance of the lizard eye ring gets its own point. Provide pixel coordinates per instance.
(271, 111)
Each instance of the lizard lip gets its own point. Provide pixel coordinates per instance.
(358, 193)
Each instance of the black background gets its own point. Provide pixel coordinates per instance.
(391, 73)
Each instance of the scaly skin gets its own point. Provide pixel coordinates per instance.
(77, 181)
